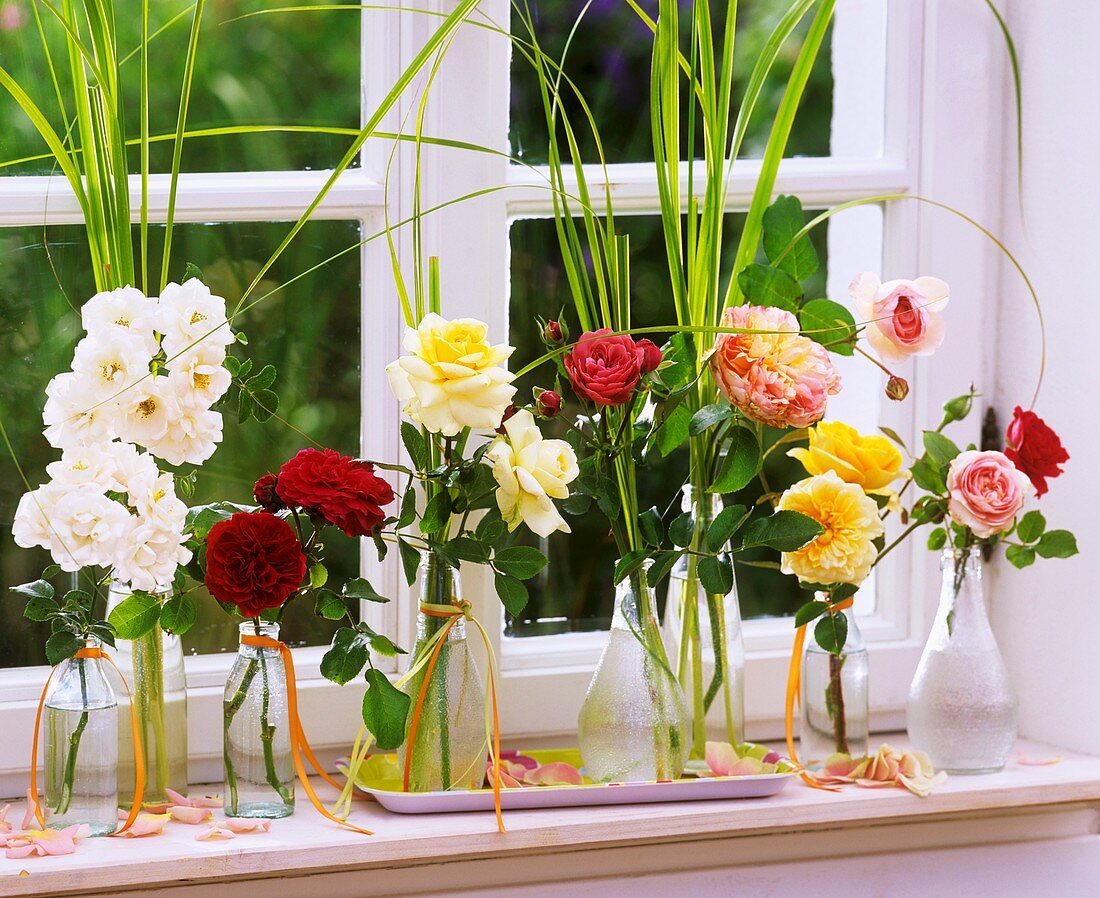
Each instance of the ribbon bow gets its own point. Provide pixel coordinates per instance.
(139, 754)
(299, 745)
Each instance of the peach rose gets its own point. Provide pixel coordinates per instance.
(903, 316)
(986, 491)
(776, 376)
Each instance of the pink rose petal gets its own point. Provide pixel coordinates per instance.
(556, 773)
(1030, 761)
(515, 757)
(247, 825)
(147, 825)
(721, 756)
(189, 815)
(29, 816)
(747, 767)
(215, 832)
(183, 801)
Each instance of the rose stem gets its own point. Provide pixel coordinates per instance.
(69, 775)
(836, 689)
(267, 735)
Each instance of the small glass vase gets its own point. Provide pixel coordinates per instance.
(634, 725)
(703, 635)
(82, 748)
(449, 748)
(962, 707)
(153, 667)
(835, 698)
(259, 768)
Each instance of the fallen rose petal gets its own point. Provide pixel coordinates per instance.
(721, 756)
(1030, 761)
(147, 825)
(201, 801)
(507, 781)
(922, 786)
(29, 816)
(189, 815)
(247, 825)
(556, 773)
(747, 767)
(875, 784)
(528, 763)
(24, 850)
(215, 832)
(839, 765)
(825, 780)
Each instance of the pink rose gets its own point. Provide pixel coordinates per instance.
(650, 354)
(605, 367)
(903, 316)
(777, 376)
(986, 491)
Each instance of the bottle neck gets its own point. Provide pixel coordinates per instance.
(118, 592)
(634, 600)
(962, 613)
(854, 641)
(437, 583)
(265, 629)
(704, 507)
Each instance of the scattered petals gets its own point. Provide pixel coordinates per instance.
(247, 825)
(28, 817)
(747, 767)
(5, 827)
(721, 756)
(147, 825)
(182, 801)
(515, 757)
(46, 842)
(190, 815)
(910, 770)
(556, 773)
(214, 833)
(1022, 759)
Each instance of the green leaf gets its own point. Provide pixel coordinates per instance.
(245, 407)
(522, 562)
(937, 539)
(809, 612)
(39, 589)
(466, 548)
(767, 286)
(179, 613)
(831, 633)
(1057, 544)
(135, 615)
(360, 589)
(725, 525)
(77, 600)
(202, 520)
(385, 709)
(348, 656)
(408, 508)
(384, 646)
(242, 338)
(266, 404)
(436, 513)
(628, 564)
(192, 271)
(651, 526)
(490, 528)
(674, 430)
(830, 324)
(786, 531)
(895, 437)
(939, 448)
(741, 464)
(512, 593)
(716, 574)
(708, 416)
(62, 645)
(1032, 525)
(40, 608)
(928, 475)
(662, 564)
(415, 446)
(1020, 556)
(318, 575)
(681, 530)
(263, 379)
(410, 560)
(329, 605)
(782, 221)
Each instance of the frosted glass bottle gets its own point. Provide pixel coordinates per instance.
(962, 707)
(835, 698)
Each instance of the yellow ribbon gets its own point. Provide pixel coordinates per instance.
(139, 755)
(794, 685)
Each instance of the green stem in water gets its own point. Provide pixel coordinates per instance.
(149, 697)
(267, 736)
(834, 701)
(69, 775)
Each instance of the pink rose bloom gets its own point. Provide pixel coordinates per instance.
(903, 316)
(986, 491)
(776, 377)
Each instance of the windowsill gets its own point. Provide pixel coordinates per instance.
(1022, 803)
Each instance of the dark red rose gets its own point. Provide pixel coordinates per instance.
(552, 333)
(342, 490)
(253, 561)
(265, 494)
(548, 403)
(605, 367)
(650, 355)
(1034, 448)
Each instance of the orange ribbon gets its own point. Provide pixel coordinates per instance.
(139, 755)
(299, 745)
(794, 685)
(456, 613)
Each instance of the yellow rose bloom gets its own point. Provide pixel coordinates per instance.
(845, 552)
(869, 461)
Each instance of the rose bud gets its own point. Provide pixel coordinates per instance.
(552, 333)
(897, 388)
(508, 412)
(649, 354)
(548, 403)
(265, 495)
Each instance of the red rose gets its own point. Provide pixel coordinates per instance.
(651, 355)
(253, 561)
(342, 490)
(548, 403)
(1034, 448)
(605, 367)
(265, 494)
(553, 333)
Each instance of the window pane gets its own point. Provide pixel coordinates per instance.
(609, 60)
(575, 591)
(298, 68)
(317, 356)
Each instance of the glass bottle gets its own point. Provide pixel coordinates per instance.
(835, 698)
(962, 707)
(153, 667)
(81, 720)
(259, 767)
(717, 701)
(449, 748)
(634, 725)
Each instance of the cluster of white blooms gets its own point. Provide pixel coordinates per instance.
(145, 375)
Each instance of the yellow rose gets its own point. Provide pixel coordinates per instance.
(453, 377)
(845, 552)
(869, 461)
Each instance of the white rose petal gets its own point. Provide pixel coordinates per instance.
(192, 436)
(147, 555)
(198, 378)
(145, 412)
(74, 416)
(85, 527)
(189, 314)
(126, 309)
(111, 362)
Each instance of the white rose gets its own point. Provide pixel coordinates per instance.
(110, 362)
(145, 411)
(126, 309)
(148, 555)
(73, 416)
(85, 527)
(198, 378)
(31, 525)
(531, 472)
(156, 503)
(190, 314)
(192, 436)
(453, 377)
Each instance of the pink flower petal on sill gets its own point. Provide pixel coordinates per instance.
(147, 825)
(721, 756)
(1030, 761)
(201, 801)
(189, 815)
(875, 784)
(839, 765)
(922, 786)
(247, 825)
(556, 773)
(28, 817)
(515, 757)
(215, 832)
(23, 850)
(507, 781)
(747, 767)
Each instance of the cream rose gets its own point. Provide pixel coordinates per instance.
(452, 377)
(531, 473)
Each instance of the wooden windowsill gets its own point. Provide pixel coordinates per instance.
(1020, 803)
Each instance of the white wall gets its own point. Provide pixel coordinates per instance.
(1048, 617)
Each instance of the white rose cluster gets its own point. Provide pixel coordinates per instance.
(146, 375)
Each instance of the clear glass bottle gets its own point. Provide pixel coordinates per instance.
(962, 707)
(634, 724)
(717, 702)
(449, 748)
(259, 767)
(81, 721)
(835, 698)
(153, 667)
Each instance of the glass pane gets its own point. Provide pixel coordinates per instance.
(609, 60)
(317, 356)
(575, 591)
(299, 68)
